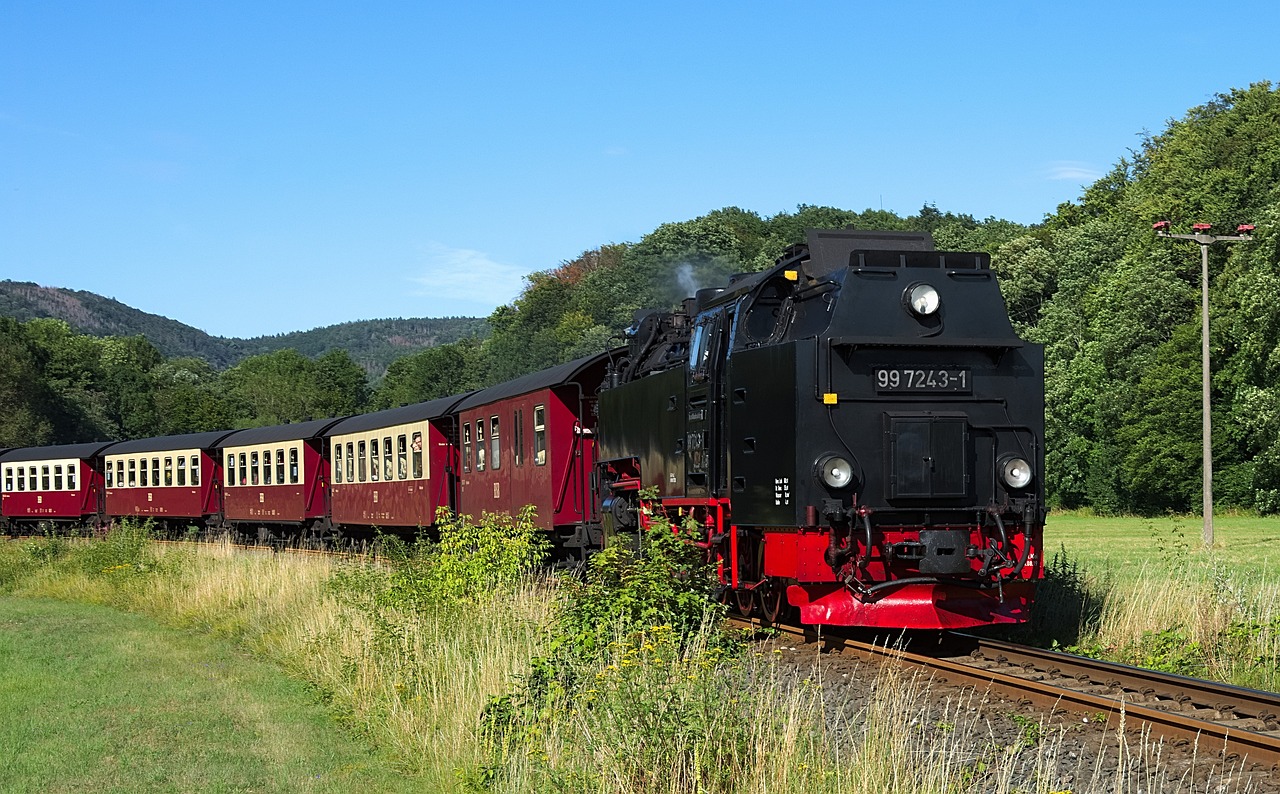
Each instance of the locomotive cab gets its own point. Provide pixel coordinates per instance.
(859, 428)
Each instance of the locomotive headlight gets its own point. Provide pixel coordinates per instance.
(835, 471)
(1015, 472)
(923, 299)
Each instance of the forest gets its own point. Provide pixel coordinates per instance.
(1116, 307)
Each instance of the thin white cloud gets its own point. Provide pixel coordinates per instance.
(1073, 171)
(463, 282)
(617, 151)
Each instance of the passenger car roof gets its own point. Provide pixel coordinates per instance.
(159, 443)
(276, 433)
(81, 451)
(555, 376)
(432, 409)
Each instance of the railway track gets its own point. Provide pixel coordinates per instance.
(1234, 722)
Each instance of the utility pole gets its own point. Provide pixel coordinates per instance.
(1204, 240)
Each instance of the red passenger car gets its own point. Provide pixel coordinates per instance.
(393, 468)
(175, 480)
(531, 441)
(276, 480)
(51, 485)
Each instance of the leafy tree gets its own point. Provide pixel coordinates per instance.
(274, 388)
(432, 373)
(26, 418)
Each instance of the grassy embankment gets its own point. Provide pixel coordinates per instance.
(1147, 592)
(95, 699)
(473, 674)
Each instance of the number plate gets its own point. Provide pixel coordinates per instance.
(909, 379)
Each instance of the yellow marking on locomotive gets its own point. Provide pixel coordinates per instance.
(830, 398)
(791, 275)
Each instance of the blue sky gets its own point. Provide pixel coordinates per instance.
(256, 168)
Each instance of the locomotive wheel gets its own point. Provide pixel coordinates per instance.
(773, 604)
(745, 600)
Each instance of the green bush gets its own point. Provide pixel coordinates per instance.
(639, 665)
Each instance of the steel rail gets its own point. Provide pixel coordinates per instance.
(1220, 718)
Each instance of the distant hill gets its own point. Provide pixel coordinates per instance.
(373, 344)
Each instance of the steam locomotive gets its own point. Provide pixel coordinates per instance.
(857, 432)
(858, 428)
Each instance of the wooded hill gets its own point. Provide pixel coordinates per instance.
(373, 344)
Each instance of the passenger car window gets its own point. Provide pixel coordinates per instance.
(417, 455)
(539, 435)
(495, 455)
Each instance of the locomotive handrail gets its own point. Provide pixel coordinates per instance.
(895, 341)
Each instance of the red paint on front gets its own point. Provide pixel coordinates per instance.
(914, 606)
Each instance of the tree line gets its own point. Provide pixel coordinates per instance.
(1115, 306)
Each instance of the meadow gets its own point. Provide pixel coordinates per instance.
(1146, 591)
(462, 667)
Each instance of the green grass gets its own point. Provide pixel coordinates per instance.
(99, 700)
(1124, 545)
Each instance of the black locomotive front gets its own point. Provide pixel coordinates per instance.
(859, 427)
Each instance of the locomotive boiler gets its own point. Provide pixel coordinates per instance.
(858, 431)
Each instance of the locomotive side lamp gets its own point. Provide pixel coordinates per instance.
(835, 471)
(922, 299)
(1015, 472)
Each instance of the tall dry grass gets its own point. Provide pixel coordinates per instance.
(667, 718)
